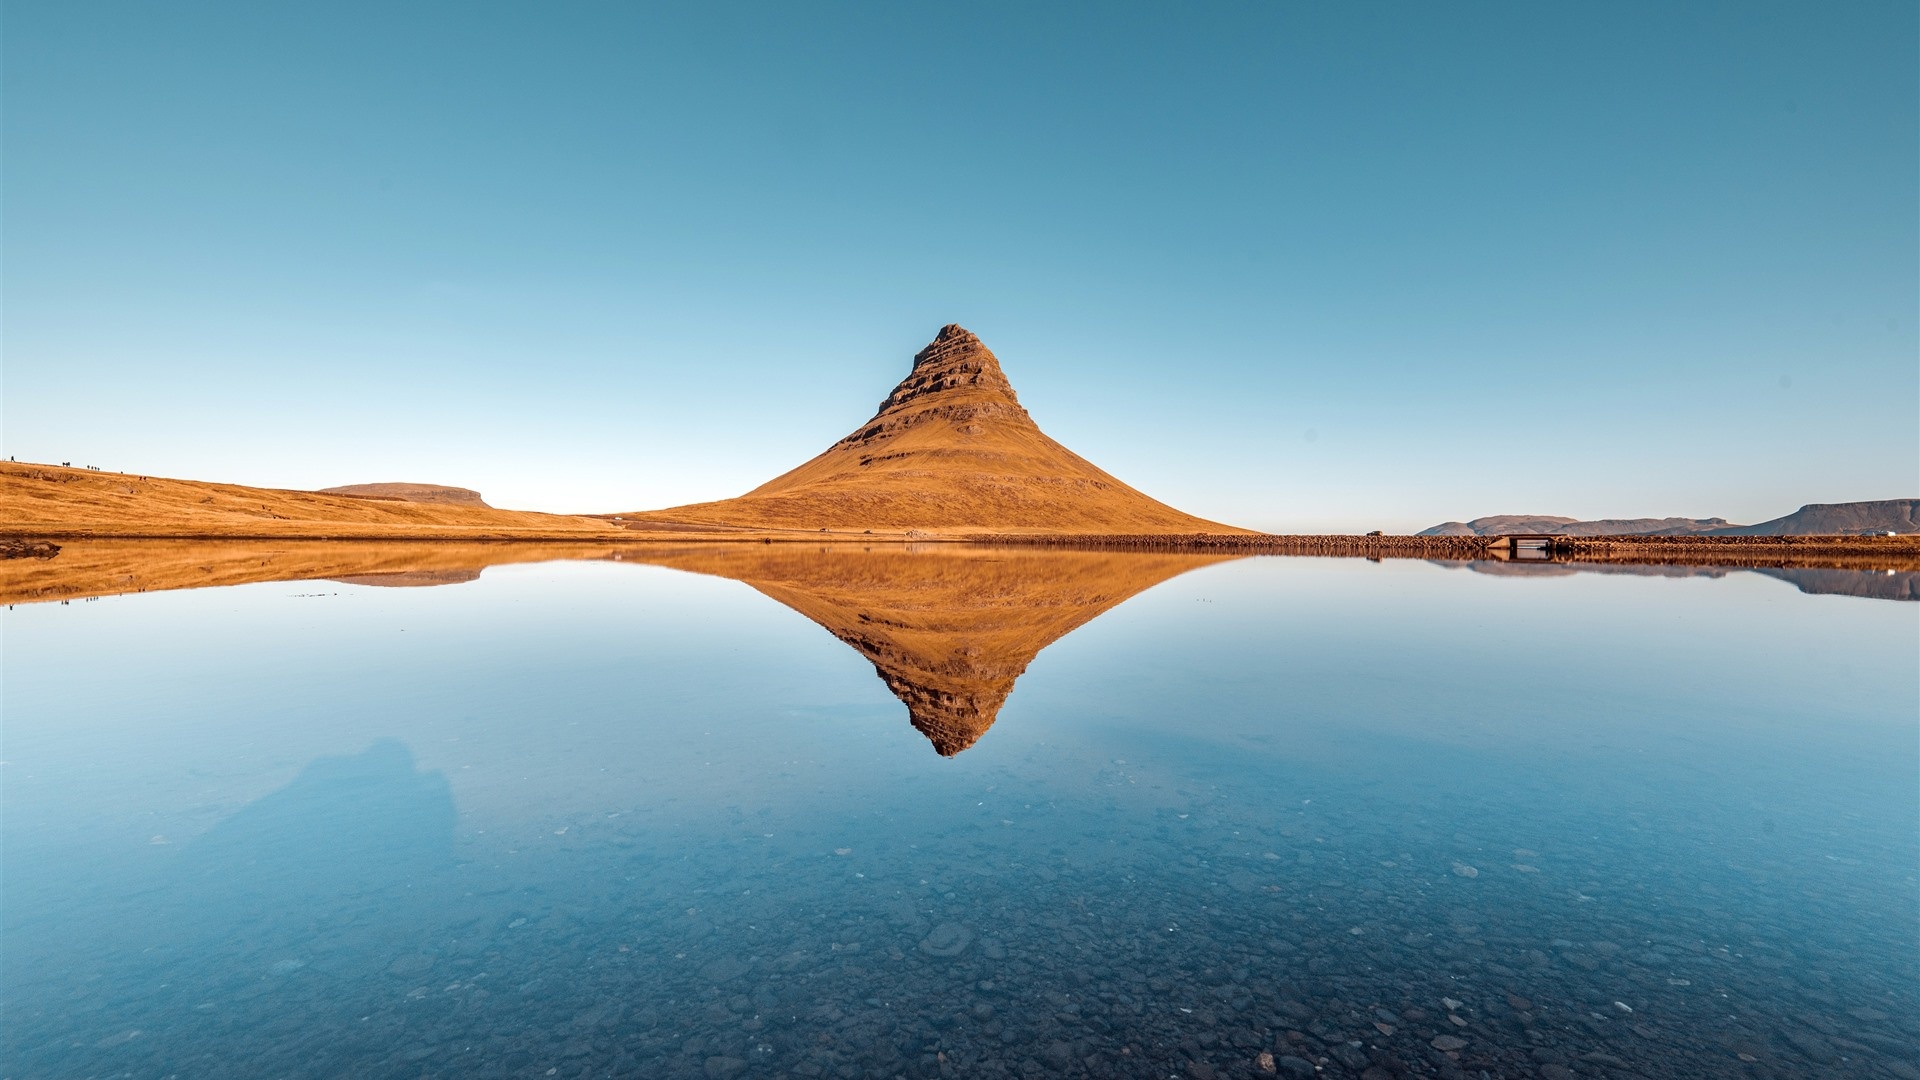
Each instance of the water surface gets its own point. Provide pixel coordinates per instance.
(776, 813)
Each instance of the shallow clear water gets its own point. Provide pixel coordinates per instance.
(590, 819)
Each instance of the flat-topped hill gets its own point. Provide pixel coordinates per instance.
(950, 450)
(439, 494)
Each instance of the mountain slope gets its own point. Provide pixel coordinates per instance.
(1839, 519)
(950, 450)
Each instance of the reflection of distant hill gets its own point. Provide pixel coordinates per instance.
(1816, 580)
(949, 630)
(409, 579)
(1884, 585)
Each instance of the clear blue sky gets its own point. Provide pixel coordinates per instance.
(1298, 266)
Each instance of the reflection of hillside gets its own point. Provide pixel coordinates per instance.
(111, 567)
(1873, 584)
(947, 627)
(948, 631)
(411, 579)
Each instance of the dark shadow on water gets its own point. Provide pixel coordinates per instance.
(336, 878)
(344, 826)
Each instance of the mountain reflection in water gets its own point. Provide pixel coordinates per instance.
(949, 633)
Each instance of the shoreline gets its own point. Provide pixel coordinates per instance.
(1710, 549)
(1558, 548)
(40, 569)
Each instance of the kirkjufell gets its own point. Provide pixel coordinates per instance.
(950, 450)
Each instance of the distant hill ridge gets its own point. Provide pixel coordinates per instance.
(1813, 519)
(439, 494)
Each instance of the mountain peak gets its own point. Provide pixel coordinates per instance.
(951, 337)
(955, 360)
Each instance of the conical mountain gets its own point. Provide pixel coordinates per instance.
(948, 631)
(951, 450)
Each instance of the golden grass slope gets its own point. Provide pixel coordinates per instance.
(52, 501)
(951, 451)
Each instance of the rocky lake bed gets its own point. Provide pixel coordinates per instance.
(1209, 879)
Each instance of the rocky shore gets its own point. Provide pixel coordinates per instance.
(17, 548)
(1882, 552)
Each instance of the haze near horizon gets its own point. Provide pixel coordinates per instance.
(1292, 269)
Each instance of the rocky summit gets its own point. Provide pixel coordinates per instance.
(951, 449)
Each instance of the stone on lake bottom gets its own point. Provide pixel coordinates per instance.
(947, 940)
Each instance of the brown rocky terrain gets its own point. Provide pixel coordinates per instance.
(414, 493)
(950, 451)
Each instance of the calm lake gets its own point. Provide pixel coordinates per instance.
(770, 813)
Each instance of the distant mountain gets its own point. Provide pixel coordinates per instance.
(414, 493)
(1814, 519)
(1839, 519)
(1503, 524)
